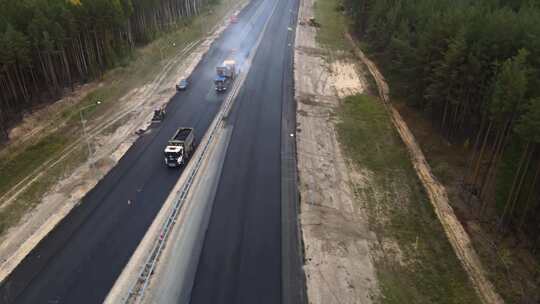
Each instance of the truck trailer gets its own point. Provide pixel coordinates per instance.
(225, 75)
(227, 69)
(180, 147)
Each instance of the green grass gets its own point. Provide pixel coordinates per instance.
(11, 214)
(17, 167)
(17, 162)
(372, 125)
(333, 25)
(399, 210)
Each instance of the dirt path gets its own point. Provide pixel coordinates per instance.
(438, 196)
(133, 113)
(338, 264)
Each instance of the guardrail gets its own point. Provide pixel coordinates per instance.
(136, 292)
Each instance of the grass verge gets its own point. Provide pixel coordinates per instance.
(28, 199)
(333, 25)
(18, 162)
(15, 168)
(414, 261)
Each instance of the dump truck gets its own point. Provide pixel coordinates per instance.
(180, 147)
(227, 69)
(225, 75)
(222, 83)
(159, 115)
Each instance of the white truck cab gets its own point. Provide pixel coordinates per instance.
(180, 147)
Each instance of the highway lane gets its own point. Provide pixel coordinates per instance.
(241, 257)
(82, 257)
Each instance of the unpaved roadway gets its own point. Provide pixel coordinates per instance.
(338, 259)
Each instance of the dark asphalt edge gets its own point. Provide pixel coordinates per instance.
(293, 282)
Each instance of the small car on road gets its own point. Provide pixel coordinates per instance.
(182, 85)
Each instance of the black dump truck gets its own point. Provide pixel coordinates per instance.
(180, 147)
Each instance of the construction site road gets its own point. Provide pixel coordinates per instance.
(79, 261)
(242, 258)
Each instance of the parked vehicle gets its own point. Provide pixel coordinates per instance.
(159, 114)
(180, 147)
(182, 85)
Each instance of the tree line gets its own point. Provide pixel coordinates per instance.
(474, 68)
(47, 46)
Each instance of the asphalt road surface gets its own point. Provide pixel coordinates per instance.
(241, 258)
(82, 257)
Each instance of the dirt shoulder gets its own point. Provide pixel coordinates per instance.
(336, 237)
(44, 197)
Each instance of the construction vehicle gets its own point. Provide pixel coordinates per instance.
(227, 69)
(225, 75)
(159, 115)
(182, 85)
(180, 147)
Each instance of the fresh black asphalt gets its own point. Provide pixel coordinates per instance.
(79, 261)
(241, 258)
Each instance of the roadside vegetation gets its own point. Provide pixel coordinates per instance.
(413, 258)
(331, 34)
(414, 261)
(64, 130)
(466, 75)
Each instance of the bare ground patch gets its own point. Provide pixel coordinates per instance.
(336, 237)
